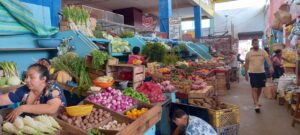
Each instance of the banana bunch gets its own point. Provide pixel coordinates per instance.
(289, 56)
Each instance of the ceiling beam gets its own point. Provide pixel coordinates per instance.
(83, 2)
(155, 9)
(209, 9)
(220, 1)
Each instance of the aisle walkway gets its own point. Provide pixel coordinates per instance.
(273, 119)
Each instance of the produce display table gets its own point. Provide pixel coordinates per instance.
(138, 126)
(206, 92)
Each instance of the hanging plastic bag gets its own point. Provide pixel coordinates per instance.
(295, 7)
(282, 16)
(296, 28)
(243, 73)
(294, 40)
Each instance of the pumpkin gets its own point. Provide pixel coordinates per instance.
(63, 77)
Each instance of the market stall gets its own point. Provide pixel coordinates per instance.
(114, 98)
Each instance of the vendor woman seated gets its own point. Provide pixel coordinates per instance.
(190, 125)
(39, 96)
(136, 56)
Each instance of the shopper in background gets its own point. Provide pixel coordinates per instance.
(46, 62)
(40, 95)
(136, 57)
(278, 68)
(234, 60)
(255, 67)
(239, 59)
(190, 125)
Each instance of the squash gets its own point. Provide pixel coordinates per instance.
(63, 77)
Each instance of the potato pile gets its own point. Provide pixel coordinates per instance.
(210, 103)
(86, 122)
(114, 125)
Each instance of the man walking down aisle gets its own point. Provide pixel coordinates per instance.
(255, 67)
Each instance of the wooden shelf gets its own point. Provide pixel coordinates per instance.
(26, 49)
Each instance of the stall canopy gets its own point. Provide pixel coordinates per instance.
(16, 18)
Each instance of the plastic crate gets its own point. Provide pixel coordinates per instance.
(171, 95)
(225, 117)
(229, 130)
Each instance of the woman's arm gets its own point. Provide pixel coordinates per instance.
(51, 107)
(177, 131)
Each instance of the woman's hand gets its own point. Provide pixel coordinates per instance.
(15, 113)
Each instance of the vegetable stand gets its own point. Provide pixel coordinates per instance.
(138, 126)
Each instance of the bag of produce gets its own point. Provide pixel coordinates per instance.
(282, 16)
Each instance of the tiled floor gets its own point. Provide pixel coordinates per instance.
(273, 119)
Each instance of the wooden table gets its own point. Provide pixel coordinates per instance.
(205, 92)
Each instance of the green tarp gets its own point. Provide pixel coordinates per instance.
(16, 18)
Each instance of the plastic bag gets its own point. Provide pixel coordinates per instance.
(296, 28)
(294, 40)
(295, 7)
(243, 73)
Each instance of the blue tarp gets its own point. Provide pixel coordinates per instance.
(16, 18)
(198, 49)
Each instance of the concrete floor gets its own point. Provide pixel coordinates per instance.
(273, 119)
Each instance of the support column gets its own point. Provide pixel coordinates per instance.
(212, 26)
(165, 11)
(197, 21)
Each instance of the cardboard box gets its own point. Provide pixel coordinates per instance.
(206, 92)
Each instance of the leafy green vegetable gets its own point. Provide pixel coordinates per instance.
(9, 68)
(98, 33)
(136, 95)
(99, 58)
(76, 14)
(75, 66)
(127, 34)
(119, 45)
(170, 59)
(154, 51)
(3, 81)
(94, 131)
